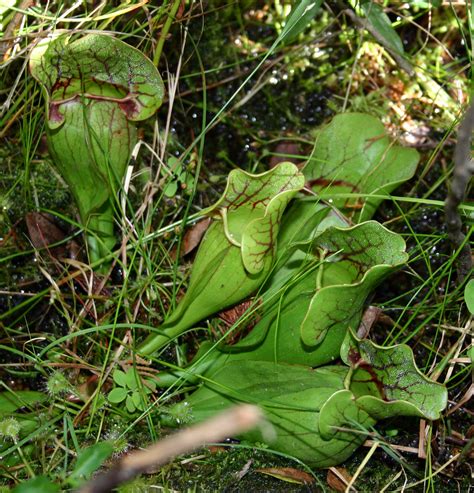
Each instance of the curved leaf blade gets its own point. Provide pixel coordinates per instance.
(355, 260)
(387, 382)
(381, 23)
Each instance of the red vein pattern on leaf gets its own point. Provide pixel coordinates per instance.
(242, 197)
(268, 246)
(71, 66)
(356, 361)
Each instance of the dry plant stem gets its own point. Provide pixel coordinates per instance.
(229, 423)
(362, 23)
(463, 170)
(8, 39)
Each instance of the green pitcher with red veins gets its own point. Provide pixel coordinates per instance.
(96, 88)
(237, 252)
(319, 416)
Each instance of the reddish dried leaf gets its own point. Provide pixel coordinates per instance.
(230, 317)
(288, 474)
(290, 149)
(233, 314)
(43, 231)
(216, 449)
(336, 477)
(192, 237)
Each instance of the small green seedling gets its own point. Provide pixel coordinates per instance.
(131, 389)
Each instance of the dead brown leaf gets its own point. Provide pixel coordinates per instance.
(192, 237)
(216, 449)
(288, 474)
(43, 232)
(338, 478)
(286, 151)
(369, 319)
(232, 315)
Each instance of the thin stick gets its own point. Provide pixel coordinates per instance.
(402, 62)
(229, 423)
(463, 170)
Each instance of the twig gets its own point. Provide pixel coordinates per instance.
(463, 170)
(8, 38)
(364, 24)
(231, 422)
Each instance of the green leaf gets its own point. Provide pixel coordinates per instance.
(237, 251)
(96, 65)
(382, 24)
(469, 296)
(251, 209)
(302, 13)
(321, 297)
(117, 395)
(342, 411)
(119, 377)
(131, 408)
(353, 262)
(171, 188)
(131, 378)
(137, 400)
(11, 401)
(353, 155)
(321, 416)
(39, 484)
(291, 397)
(307, 323)
(89, 460)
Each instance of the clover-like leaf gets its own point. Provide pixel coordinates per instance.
(131, 379)
(130, 404)
(120, 377)
(96, 87)
(237, 251)
(353, 154)
(117, 395)
(251, 209)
